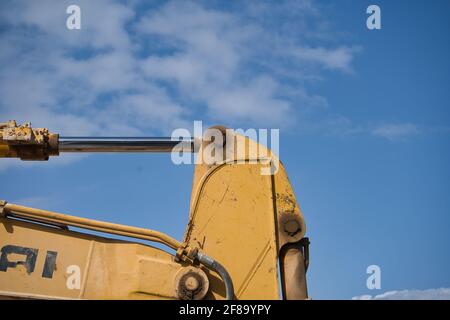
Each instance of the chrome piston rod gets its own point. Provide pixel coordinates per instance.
(125, 144)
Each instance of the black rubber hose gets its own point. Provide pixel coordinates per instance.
(220, 269)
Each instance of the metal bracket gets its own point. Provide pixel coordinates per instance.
(26, 143)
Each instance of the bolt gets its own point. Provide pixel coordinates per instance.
(191, 283)
(292, 227)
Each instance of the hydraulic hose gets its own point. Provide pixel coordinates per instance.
(220, 269)
(57, 218)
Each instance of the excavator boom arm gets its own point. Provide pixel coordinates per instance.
(247, 220)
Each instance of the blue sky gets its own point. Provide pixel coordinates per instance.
(363, 118)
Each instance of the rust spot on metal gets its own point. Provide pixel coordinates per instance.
(286, 200)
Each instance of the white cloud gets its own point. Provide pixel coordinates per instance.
(103, 19)
(338, 58)
(396, 132)
(132, 70)
(430, 294)
(150, 71)
(212, 52)
(60, 78)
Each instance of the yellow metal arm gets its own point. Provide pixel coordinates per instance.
(64, 220)
(239, 213)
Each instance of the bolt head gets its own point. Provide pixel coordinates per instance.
(291, 227)
(191, 283)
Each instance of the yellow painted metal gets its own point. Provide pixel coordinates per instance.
(4, 151)
(234, 216)
(108, 269)
(238, 228)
